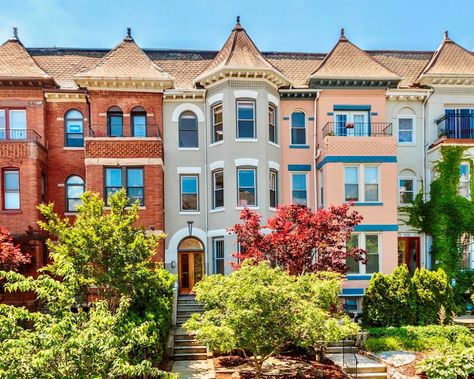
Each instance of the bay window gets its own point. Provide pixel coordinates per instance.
(217, 124)
(273, 186)
(246, 119)
(246, 184)
(217, 189)
(272, 124)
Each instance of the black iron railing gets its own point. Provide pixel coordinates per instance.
(19, 135)
(142, 132)
(358, 129)
(456, 125)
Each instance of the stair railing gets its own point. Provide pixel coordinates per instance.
(174, 315)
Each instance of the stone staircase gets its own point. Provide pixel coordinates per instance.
(355, 365)
(186, 347)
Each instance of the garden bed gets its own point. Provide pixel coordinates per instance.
(281, 367)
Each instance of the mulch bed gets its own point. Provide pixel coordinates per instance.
(281, 367)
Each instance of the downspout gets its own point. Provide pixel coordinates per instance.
(425, 127)
(206, 185)
(315, 106)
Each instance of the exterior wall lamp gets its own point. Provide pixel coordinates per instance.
(190, 228)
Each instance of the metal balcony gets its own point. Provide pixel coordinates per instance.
(19, 135)
(456, 126)
(150, 131)
(358, 129)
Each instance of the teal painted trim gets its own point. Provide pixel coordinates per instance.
(357, 159)
(311, 118)
(346, 107)
(358, 277)
(352, 292)
(299, 167)
(374, 113)
(366, 204)
(299, 146)
(376, 228)
(330, 113)
(286, 118)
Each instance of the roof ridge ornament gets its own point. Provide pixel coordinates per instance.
(14, 36)
(446, 36)
(129, 35)
(237, 24)
(343, 35)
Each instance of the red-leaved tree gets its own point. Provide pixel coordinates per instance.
(300, 240)
(11, 256)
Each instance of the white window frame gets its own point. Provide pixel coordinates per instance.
(415, 188)
(213, 107)
(254, 103)
(305, 128)
(413, 118)
(361, 178)
(275, 124)
(214, 250)
(254, 169)
(188, 211)
(362, 245)
(350, 119)
(274, 173)
(306, 185)
(213, 188)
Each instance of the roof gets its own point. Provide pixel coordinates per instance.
(16, 63)
(238, 53)
(127, 62)
(347, 61)
(450, 59)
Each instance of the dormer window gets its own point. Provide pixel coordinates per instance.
(115, 122)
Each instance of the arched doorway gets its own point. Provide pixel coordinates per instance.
(190, 264)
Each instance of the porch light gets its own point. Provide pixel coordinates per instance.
(190, 228)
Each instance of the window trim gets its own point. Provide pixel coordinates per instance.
(275, 124)
(413, 131)
(214, 256)
(350, 119)
(254, 103)
(132, 122)
(179, 130)
(66, 133)
(306, 185)
(109, 115)
(7, 129)
(214, 190)
(254, 169)
(66, 192)
(363, 245)
(274, 172)
(124, 177)
(361, 183)
(4, 192)
(213, 124)
(305, 128)
(191, 211)
(415, 189)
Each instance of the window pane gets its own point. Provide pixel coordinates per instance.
(72, 204)
(74, 140)
(139, 125)
(298, 120)
(298, 136)
(134, 194)
(351, 264)
(189, 184)
(299, 181)
(371, 183)
(372, 248)
(188, 123)
(245, 111)
(218, 255)
(2, 124)
(246, 178)
(218, 183)
(135, 177)
(18, 124)
(246, 196)
(246, 129)
(245, 120)
(406, 191)
(217, 133)
(189, 202)
(405, 130)
(189, 193)
(12, 200)
(113, 177)
(12, 180)
(351, 177)
(116, 125)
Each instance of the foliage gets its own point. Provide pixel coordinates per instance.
(449, 365)
(259, 309)
(299, 240)
(446, 216)
(11, 256)
(398, 299)
(124, 333)
(419, 338)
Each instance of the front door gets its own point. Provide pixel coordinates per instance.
(409, 252)
(190, 270)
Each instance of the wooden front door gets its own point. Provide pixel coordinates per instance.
(190, 270)
(409, 252)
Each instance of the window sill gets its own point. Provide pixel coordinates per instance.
(11, 211)
(299, 146)
(216, 143)
(71, 213)
(140, 208)
(73, 148)
(406, 144)
(246, 140)
(189, 212)
(271, 209)
(274, 144)
(217, 210)
(253, 207)
(188, 148)
(368, 204)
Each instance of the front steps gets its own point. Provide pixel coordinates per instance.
(186, 347)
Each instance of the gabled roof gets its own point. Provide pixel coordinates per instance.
(125, 62)
(450, 60)
(17, 64)
(347, 62)
(240, 54)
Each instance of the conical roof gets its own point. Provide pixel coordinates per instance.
(347, 61)
(17, 64)
(450, 60)
(240, 55)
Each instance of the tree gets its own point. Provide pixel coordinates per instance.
(258, 310)
(125, 329)
(11, 256)
(300, 240)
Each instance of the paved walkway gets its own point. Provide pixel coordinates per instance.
(200, 369)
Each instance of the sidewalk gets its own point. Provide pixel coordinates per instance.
(199, 369)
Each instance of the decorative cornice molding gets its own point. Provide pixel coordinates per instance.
(125, 85)
(65, 97)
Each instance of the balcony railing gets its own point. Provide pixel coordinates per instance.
(358, 129)
(140, 132)
(19, 135)
(456, 126)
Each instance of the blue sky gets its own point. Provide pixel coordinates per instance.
(276, 25)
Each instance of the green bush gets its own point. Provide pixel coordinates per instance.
(419, 338)
(450, 365)
(398, 299)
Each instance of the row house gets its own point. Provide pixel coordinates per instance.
(196, 136)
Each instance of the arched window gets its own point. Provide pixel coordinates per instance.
(298, 128)
(139, 122)
(190, 244)
(188, 130)
(74, 191)
(115, 122)
(74, 129)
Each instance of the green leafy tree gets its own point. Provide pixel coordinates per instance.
(259, 309)
(124, 333)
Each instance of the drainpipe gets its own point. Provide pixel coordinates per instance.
(315, 106)
(425, 127)
(206, 186)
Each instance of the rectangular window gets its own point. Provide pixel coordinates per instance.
(372, 248)
(465, 181)
(138, 124)
(272, 124)
(299, 191)
(218, 189)
(406, 190)
(115, 125)
(351, 264)
(351, 183)
(3, 125)
(246, 183)
(371, 183)
(246, 119)
(18, 124)
(217, 124)
(405, 130)
(11, 189)
(298, 128)
(273, 185)
(321, 189)
(351, 124)
(129, 178)
(218, 253)
(189, 193)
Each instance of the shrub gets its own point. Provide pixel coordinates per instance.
(449, 365)
(397, 299)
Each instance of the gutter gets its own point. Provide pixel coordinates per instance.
(425, 127)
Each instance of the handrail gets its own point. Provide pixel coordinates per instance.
(358, 129)
(146, 132)
(456, 125)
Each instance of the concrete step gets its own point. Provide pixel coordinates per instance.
(186, 342)
(183, 336)
(362, 368)
(340, 349)
(190, 308)
(189, 302)
(190, 349)
(368, 375)
(181, 313)
(190, 357)
(365, 365)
